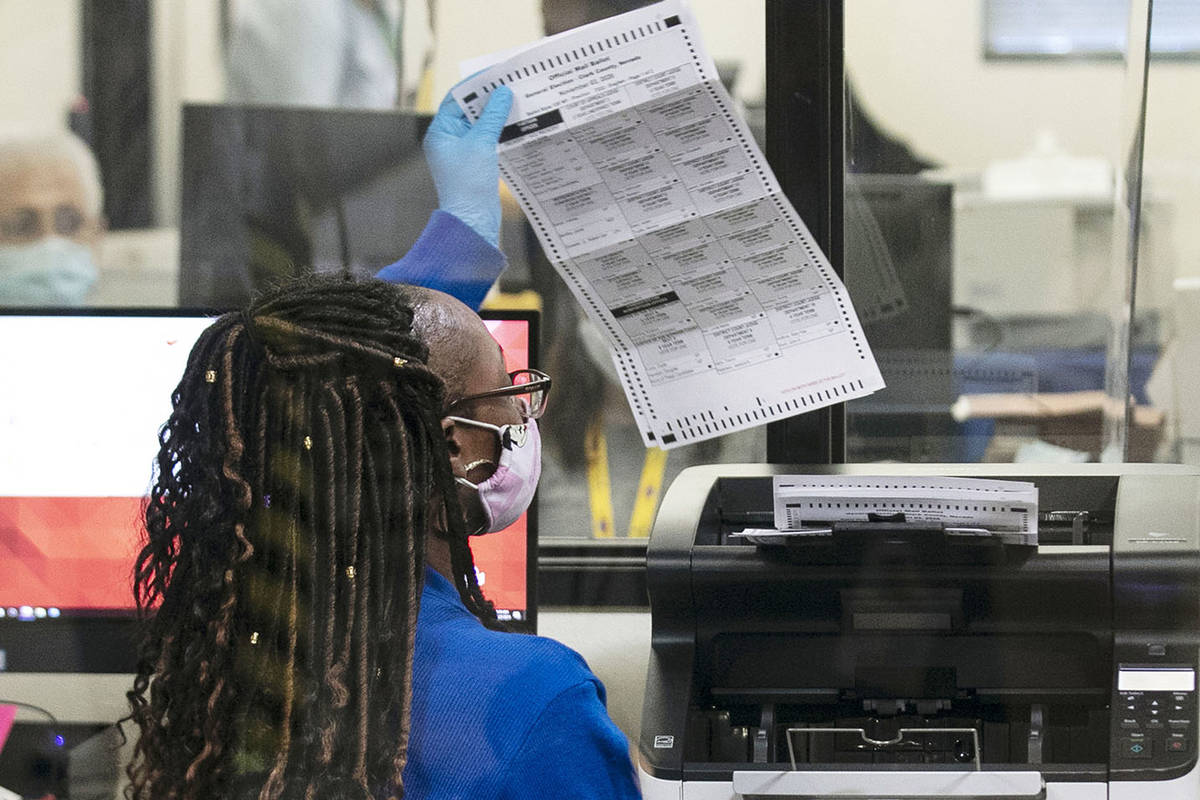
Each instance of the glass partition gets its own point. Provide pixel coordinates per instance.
(987, 242)
(1168, 281)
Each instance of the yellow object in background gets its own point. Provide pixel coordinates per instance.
(527, 300)
(599, 482)
(649, 489)
(648, 493)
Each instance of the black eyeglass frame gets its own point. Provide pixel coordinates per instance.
(540, 383)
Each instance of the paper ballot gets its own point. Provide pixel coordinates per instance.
(802, 501)
(652, 200)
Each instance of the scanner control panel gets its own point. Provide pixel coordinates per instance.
(1155, 715)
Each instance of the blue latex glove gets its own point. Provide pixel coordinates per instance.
(462, 158)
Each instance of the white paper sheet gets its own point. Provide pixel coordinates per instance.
(652, 200)
(962, 503)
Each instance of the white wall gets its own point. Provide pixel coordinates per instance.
(466, 29)
(919, 70)
(919, 66)
(39, 62)
(187, 65)
(732, 31)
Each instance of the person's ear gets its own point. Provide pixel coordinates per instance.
(450, 431)
(454, 445)
(473, 451)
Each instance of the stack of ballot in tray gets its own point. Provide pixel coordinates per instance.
(817, 504)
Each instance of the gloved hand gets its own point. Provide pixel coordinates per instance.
(462, 158)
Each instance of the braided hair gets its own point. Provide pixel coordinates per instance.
(300, 470)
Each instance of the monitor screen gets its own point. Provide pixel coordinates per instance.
(80, 408)
(504, 561)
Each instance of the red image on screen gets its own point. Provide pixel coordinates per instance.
(500, 558)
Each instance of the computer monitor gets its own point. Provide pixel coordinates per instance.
(506, 561)
(82, 400)
(268, 192)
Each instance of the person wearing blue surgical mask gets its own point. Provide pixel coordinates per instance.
(51, 222)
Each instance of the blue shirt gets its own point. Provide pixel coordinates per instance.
(505, 715)
(451, 257)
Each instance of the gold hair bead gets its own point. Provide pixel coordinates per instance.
(210, 376)
(254, 637)
(308, 443)
(399, 362)
(350, 572)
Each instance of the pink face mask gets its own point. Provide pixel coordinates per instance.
(506, 495)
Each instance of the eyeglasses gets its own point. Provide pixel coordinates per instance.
(529, 386)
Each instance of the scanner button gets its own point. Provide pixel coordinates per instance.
(1136, 748)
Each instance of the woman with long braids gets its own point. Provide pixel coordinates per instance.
(314, 625)
(315, 628)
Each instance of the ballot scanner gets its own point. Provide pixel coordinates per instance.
(892, 660)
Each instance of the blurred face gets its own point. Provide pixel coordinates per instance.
(43, 198)
(49, 239)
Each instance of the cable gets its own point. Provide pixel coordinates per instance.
(58, 738)
(30, 707)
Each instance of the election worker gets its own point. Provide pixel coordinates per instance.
(314, 624)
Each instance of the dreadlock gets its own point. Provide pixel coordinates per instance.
(300, 469)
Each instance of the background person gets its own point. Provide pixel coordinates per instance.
(51, 220)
